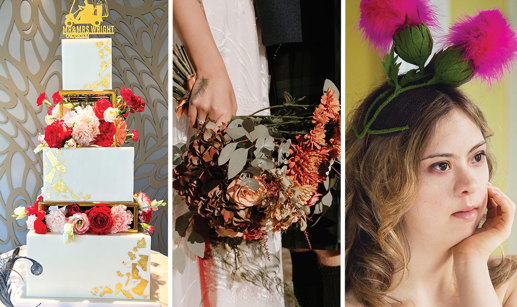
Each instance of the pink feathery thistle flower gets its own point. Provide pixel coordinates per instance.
(381, 19)
(488, 42)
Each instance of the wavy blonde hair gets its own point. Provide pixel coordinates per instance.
(380, 180)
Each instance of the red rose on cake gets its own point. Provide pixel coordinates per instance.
(57, 133)
(100, 219)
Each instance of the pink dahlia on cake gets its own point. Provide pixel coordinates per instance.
(86, 126)
(121, 217)
(56, 219)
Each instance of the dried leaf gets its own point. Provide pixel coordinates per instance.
(182, 222)
(237, 162)
(253, 184)
(196, 244)
(248, 124)
(226, 153)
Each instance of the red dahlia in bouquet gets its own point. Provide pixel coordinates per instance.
(80, 125)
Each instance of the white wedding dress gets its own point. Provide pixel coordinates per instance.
(234, 28)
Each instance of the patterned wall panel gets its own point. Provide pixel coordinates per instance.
(30, 63)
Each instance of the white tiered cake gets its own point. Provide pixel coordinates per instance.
(111, 266)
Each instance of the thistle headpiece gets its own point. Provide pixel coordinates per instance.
(483, 46)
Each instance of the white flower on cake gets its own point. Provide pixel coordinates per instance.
(30, 221)
(80, 223)
(56, 219)
(70, 144)
(68, 233)
(50, 118)
(110, 114)
(20, 213)
(122, 218)
(86, 126)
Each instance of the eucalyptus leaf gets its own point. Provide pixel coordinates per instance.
(236, 133)
(237, 162)
(318, 208)
(179, 260)
(226, 153)
(255, 171)
(253, 184)
(326, 183)
(259, 153)
(264, 164)
(244, 181)
(235, 123)
(245, 176)
(248, 124)
(331, 84)
(182, 222)
(259, 131)
(196, 244)
(327, 200)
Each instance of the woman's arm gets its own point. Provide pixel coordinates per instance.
(471, 255)
(212, 95)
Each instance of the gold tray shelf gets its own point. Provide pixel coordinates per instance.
(133, 206)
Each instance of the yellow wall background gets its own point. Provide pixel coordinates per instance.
(363, 72)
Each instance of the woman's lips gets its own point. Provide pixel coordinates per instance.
(467, 215)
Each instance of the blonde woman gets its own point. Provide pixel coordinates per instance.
(414, 201)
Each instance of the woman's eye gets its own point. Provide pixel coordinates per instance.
(479, 157)
(441, 166)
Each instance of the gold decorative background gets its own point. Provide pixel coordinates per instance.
(30, 63)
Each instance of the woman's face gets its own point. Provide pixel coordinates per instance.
(452, 183)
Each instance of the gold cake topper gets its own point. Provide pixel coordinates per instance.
(85, 20)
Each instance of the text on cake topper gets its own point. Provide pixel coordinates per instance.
(85, 20)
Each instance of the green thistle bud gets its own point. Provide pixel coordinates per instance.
(414, 44)
(450, 67)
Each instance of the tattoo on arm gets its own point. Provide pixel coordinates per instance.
(199, 90)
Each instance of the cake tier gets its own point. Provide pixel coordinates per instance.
(88, 174)
(86, 64)
(115, 266)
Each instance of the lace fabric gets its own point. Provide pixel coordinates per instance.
(258, 279)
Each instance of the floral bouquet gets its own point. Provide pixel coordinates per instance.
(252, 176)
(73, 125)
(97, 219)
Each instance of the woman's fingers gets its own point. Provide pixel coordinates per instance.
(192, 115)
(500, 211)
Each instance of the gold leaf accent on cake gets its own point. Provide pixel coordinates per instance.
(140, 244)
(128, 279)
(94, 291)
(106, 290)
(60, 187)
(52, 159)
(105, 82)
(61, 168)
(144, 259)
(140, 288)
(99, 44)
(45, 164)
(120, 274)
(49, 177)
(59, 151)
(134, 272)
(59, 175)
(101, 53)
(107, 48)
(124, 292)
(131, 255)
(87, 196)
(104, 66)
(47, 193)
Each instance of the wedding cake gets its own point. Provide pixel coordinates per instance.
(84, 228)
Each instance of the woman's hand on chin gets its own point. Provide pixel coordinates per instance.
(494, 231)
(475, 287)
